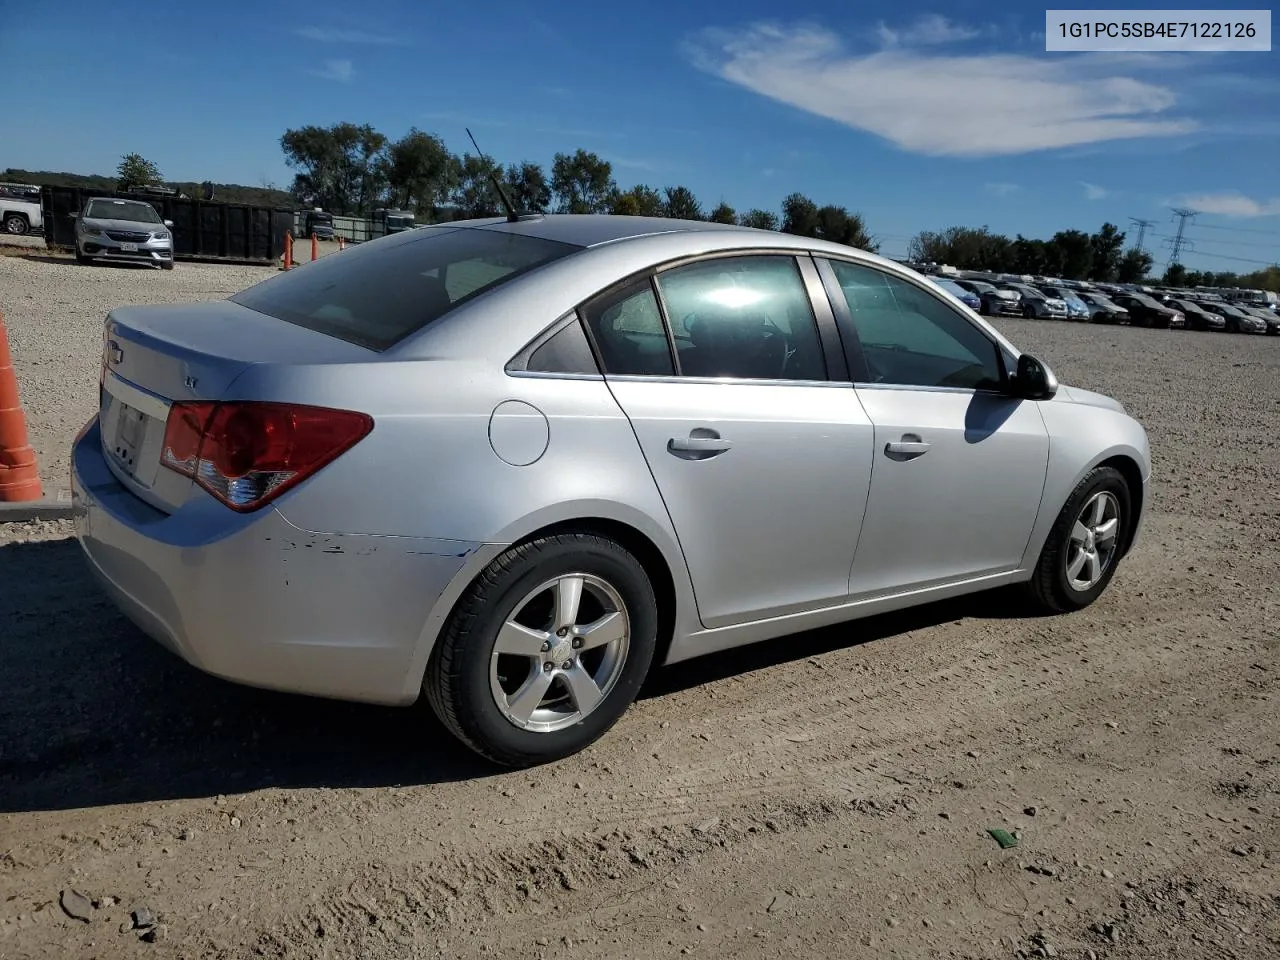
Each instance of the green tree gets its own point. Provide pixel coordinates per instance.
(1134, 266)
(137, 171)
(1108, 246)
(723, 213)
(1028, 256)
(799, 215)
(343, 168)
(640, 201)
(804, 218)
(582, 182)
(840, 226)
(475, 194)
(963, 247)
(679, 203)
(759, 219)
(1175, 276)
(528, 187)
(1075, 249)
(421, 173)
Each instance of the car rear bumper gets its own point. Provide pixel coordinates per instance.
(256, 600)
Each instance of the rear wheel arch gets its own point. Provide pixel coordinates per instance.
(639, 544)
(642, 547)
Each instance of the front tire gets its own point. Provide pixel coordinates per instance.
(1084, 547)
(545, 650)
(16, 225)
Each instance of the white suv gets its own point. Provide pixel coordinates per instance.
(20, 210)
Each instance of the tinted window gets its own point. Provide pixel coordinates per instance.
(629, 332)
(377, 295)
(743, 317)
(910, 337)
(565, 352)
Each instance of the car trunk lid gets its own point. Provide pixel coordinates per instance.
(155, 356)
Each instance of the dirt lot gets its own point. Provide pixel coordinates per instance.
(822, 795)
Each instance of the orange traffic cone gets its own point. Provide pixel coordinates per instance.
(342, 243)
(315, 248)
(286, 260)
(19, 477)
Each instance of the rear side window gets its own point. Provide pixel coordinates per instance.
(375, 296)
(629, 333)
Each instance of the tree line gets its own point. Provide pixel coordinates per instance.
(353, 169)
(1070, 255)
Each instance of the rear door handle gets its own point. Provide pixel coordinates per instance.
(908, 448)
(697, 448)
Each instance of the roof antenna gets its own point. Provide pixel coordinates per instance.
(512, 216)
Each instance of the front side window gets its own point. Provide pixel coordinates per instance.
(912, 338)
(377, 295)
(745, 317)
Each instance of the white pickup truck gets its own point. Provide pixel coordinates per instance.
(20, 210)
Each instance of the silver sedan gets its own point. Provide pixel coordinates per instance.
(112, 229)
(515, 463)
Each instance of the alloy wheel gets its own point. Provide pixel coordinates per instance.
(1094, 538)
(560, 653)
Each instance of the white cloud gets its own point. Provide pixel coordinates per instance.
(340, 70)
(962, 106)
(1094, 192)
(1001, 189)
(1230, 204)
(931, 29)
(332, 35)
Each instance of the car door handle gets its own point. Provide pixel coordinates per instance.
(697, 447)
(908, 448)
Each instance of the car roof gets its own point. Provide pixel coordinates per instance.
(593, 229)
(610, 248)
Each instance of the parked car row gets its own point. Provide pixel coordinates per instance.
(1049, 298)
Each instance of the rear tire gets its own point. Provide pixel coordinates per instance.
(16, 224)
(561, 691)
(1065, 578)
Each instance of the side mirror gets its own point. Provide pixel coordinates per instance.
(1033, 379)
(169, 224)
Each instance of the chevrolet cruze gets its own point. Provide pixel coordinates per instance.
(516, 463)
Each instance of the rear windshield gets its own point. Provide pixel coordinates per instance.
(376, 295)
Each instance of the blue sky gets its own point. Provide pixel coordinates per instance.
(918, 114)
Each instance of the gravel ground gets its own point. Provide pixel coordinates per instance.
(825, 795)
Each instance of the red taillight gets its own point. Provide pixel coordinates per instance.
(248, 453)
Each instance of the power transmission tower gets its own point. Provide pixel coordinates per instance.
(1178, 244)
(1142, 230)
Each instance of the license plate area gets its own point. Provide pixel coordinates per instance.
(130, 433)
(129, 247)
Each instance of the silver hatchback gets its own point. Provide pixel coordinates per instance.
(112, 229)
(515, 463)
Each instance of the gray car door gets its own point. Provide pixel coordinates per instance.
(763, 462)
(959, 467)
